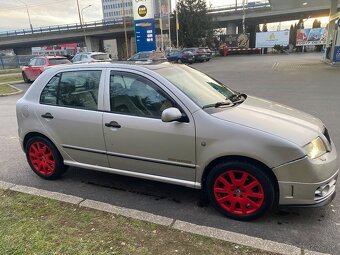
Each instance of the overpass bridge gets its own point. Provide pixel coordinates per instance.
(229, 17)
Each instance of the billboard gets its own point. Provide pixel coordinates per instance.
(311, 36)
(162, 9)
(269, 39)
(143, 9)
(145, 35)
(144, 23)
(235, 40)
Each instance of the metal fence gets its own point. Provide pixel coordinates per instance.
(7, 62)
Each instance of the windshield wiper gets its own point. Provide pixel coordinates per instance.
(237, 98)
(216, 105)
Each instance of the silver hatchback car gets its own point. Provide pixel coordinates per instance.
(174, 124)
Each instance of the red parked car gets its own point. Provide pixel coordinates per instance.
(37, 66)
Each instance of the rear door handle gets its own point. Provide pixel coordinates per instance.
(113, 124)
(47, 116)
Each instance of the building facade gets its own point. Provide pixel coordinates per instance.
(113, 9)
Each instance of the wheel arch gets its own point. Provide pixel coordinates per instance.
(263, 166)
(35, 134)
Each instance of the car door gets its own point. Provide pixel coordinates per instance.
(136, 138)
(70, 111)
(38, 68)
(29, 71)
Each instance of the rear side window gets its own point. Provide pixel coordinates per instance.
(101, 57)
(58, 61)
(76, 89)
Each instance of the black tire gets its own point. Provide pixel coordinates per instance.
(24, 77)
(41, 164)
(179, 61)
(240, 194)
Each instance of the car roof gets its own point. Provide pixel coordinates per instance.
(125, 65)
(50, 57)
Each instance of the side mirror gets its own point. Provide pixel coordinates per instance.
(171, 114)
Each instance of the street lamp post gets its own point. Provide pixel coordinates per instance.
(125, 32)
(83, 23)
(28, 14)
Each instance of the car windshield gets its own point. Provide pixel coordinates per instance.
(101, 56)
(59, 61)
(199, 87)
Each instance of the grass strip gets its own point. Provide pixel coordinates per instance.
(35, 225)
(6, 89)
(10, 78)
(9, 71)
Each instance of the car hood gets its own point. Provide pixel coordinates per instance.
(274, 118)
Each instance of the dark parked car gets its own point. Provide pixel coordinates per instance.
(147, 57)
(181, 56)
(200, 54)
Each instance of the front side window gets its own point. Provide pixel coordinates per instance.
(40, 62)
(32, 62)
(134, 95)
(76, 89)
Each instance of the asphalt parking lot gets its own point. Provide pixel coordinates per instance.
(301, 81)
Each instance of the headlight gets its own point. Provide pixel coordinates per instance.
(315, 148)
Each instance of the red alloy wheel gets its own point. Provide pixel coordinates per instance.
(42, 158)
(238, 192)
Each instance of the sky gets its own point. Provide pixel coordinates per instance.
(13, 15)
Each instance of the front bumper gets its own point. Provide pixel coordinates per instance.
(307, 182)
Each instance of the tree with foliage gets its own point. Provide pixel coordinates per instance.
(300, 24)
(317, 24)
(195, 25)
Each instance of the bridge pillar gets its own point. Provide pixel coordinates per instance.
(22, 51)
(94, 44)
(251, 29)
(231, 28)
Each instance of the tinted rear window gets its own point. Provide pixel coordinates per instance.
(101, 57)
(59, 61)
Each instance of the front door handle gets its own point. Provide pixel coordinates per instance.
(113, 124)
(47, 116)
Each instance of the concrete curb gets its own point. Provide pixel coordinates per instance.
(241, 239)
(13, 93)
(131, 213)
(48, 194)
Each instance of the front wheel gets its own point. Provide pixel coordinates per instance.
(240, 190)
(179, 61)
(44, 158)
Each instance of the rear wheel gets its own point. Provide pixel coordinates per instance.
(24, 77)
(240, 190)
(44, 158)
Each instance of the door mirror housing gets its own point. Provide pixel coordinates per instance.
(171, 114)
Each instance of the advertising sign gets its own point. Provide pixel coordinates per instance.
(145, 35)
(143, 14)
(143, 9)
(235, 40)
(162, 9)
(269, 39)
(336, 56)
(311, 36)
